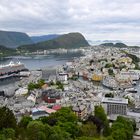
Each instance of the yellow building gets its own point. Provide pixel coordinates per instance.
(97, 77)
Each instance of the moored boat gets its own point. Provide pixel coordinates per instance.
(11, 69)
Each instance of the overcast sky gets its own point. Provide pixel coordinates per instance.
(96, 19)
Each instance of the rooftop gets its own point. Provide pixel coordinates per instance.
(115, 100)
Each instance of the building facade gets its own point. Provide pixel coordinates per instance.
(115, 105)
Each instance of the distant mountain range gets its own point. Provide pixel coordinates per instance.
(120, 45)
(37, 39)
(22, 41)
(14, 39)
(98, 42)
(67, 41)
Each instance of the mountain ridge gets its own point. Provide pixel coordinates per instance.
(120, 45)
(13, 39)
(41, 38)
(67, 41)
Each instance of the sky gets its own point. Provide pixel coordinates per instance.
(95, 19)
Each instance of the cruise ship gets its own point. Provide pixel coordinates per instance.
(11, 69)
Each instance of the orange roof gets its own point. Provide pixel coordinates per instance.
(44, 86)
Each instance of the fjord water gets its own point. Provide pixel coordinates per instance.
(35, 62)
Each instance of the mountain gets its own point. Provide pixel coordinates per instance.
(37, 39)
(107, 44)
(14, 39)
(119, 45)
(98, 42)
(68, 41)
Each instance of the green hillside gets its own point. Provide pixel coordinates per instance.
(6, 51)
(14, 39)
(71, 40)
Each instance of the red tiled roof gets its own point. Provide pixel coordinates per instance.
(56, 107)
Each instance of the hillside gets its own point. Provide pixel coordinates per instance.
(71, 40)
(14, 39)
(6, 51)
(37, 39)
(119, 45)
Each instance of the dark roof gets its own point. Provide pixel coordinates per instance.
(51, 93)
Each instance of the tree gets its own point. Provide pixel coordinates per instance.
(2, 137)
(65, 114)
(41, 82)
(25, 121)
(7, 118)
(85, 138)
(41, 136)
(59, 85)
(70, 127)
(127, 125)
(35, 130)
(110, 72)
(9, 133)
(60, 133)
(88, 129)
(38, 85)
(100, 113)
(108, 65)
(119, 135)
(123, 127)
(49, 120)
(98, 122)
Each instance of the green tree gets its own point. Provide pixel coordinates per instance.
(41, 82)
(108, 65)
(63, 135)
(9, 133)
(100, 113)
(127, 125)
(70, 127)
(35, 130)
(41, 136)
(7, 118)
(85, 138)
(65, 114)
(25, 121)
(123, 127)
(110, 72)
(88, 130)
(2, 137)
(119, 135)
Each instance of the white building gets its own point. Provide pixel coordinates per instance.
(115, 105)
(63, 77)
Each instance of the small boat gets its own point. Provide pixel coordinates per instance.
(132, 90)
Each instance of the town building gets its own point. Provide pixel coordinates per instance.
(63, 77)
(115, 105)
(80, 111)
(51, 96)
(49, 74)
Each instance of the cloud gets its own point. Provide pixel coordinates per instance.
(97, 19)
